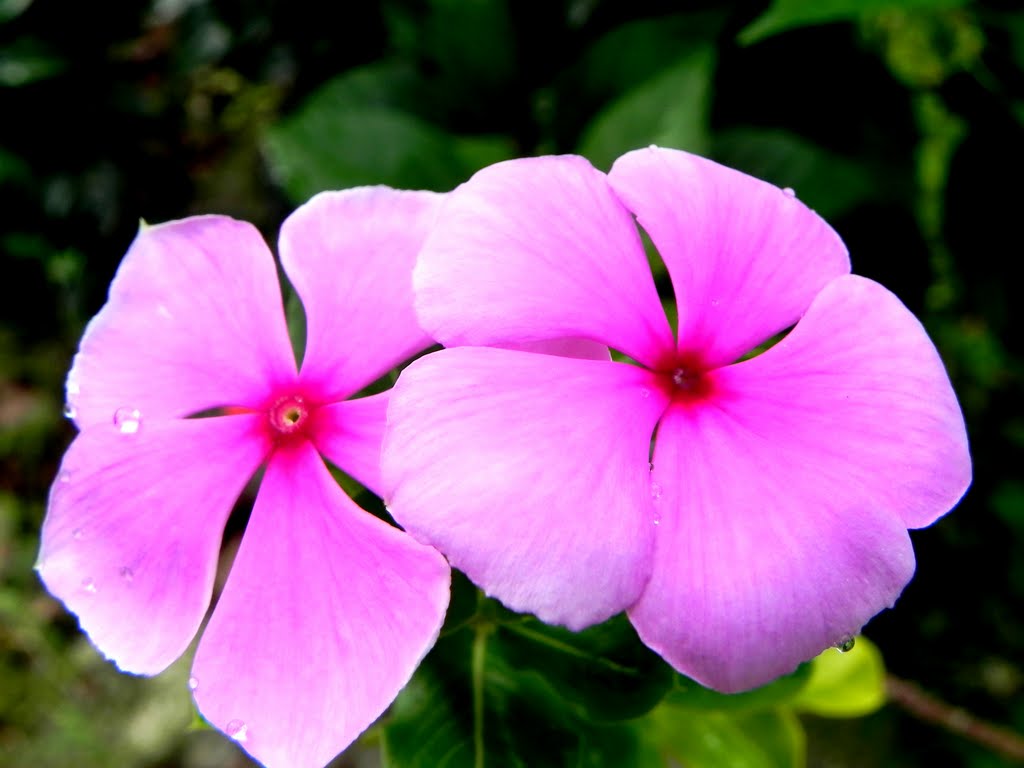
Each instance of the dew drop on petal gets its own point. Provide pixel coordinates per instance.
(645, 393)
(64, 477)
(655, 491)
(77, 534)
(789, 192)
(72, 387)
(237, 730)
(846, 644)
(193, 683)
(127, 574)
(128, 420)
(69, 411)
(89, 586)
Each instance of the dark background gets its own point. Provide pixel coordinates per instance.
(901, 123)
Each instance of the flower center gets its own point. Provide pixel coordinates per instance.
(288, 416)
(687, 380)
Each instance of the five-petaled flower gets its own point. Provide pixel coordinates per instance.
(773, 520)
(327, 610)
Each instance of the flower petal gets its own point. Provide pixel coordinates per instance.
(787, 496)
(759, 564)
(193, 321)
(746, 258)
(535, 249)
(349, 434)
(133, 529)
(860, 391)
(530, 472)
(350, 256)
(325, 615)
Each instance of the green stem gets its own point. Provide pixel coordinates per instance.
(478, 663)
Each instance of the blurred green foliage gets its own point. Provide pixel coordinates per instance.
(900, 121)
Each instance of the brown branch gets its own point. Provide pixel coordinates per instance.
(930, 709)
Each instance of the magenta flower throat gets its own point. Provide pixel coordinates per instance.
(747, 513)
(327, 610)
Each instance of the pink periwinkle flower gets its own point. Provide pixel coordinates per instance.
(327, 610)
(772, 522)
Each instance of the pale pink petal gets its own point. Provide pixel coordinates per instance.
(859, 390)
(536, 249)
(349, 433)
(785, 498)
(325, 615)
(350, 256)
(193, 321)
(745, 257)
(530, 472)
(759, 562)
(133, 529)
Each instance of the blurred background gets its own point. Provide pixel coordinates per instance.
(900, 122)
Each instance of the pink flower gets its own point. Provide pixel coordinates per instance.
(774, 521)
(327, 610)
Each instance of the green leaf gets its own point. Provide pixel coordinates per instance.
(762, 739)
(670, 110)
(10, 9)
(850, 684)
(604, 672)
(688, 694)
(784, 15)
(364, 128)
(26, 61)
(829, 183)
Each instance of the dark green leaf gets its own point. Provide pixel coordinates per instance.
(670, 110)
(604, 672)
(687, 694)
(784, 15)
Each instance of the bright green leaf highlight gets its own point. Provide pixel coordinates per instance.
(848, 684)
(762, 739)
(784, 15)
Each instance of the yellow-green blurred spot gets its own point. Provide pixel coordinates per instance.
(848, 684)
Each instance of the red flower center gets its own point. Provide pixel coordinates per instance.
(289, 416)
(687, 380)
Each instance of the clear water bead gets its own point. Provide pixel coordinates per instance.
(77, 534)
(237, 730)
(70, 411)
(128, 420)
(655, 491)
(64, 477)
(789, 192)
(645, 393)
(127, 574)
(846, 644)
(89, 585)
(193, 683)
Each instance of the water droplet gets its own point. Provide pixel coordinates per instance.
(89, 586)
(846, 644)
(789, 192)
(72, 387)
(715, 302)
(127, 574)
(70, 411)
(652, 146)
(193, 683)
(128, 420)
(77, 534)
(164, 312)
(645, 393)
(64, 477)
(655, 491)
(237, 730)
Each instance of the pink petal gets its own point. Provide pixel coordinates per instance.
(350, 256)
(859, 390)
(530, 472)
(785, 500)
(349, 434)
(535, 249)
(325, 615)
(746, 258)
(758, 565)
(583, 349)
(133, 530)
(193, 321)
